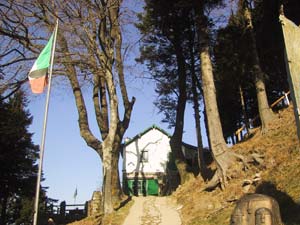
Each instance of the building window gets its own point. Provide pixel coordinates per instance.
(144, 156)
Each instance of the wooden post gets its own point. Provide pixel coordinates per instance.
(291, 34)
(62, 210)
(287, 99)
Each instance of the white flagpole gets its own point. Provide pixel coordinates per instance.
(38, 183)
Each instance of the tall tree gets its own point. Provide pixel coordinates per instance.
(233, 77)
(167, 27)
(18, 157)
(223, 157)
(265, 112)
(89, 52)
(101, 40)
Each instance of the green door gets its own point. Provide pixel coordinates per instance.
(152, 187)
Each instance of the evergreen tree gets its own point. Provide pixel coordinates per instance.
(18, 157)
(233, 77)
(169, 52)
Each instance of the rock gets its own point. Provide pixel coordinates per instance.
(256, 209)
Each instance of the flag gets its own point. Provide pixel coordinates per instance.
(75, 193)
(37, 75)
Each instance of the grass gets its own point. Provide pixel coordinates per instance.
(116, 218)
(280, 178)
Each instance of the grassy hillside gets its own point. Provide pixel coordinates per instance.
(280, 178)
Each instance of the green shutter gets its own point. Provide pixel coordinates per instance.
(152, 187)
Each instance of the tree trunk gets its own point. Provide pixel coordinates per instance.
(108, 143)
(222, 156)
(107, 203)
(246, 121)
(218, 145)
(198, 85)
(176, 139)
(265, 112)
(117, 191)
(201, 162)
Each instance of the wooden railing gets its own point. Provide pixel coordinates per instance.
(67, 213)
(238, 132)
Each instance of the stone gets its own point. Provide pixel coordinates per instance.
(256, 209)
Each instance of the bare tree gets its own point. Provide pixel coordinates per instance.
(89, 51)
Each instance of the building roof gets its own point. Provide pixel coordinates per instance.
(161, 130)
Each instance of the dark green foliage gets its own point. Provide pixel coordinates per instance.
(270, 41)
(17, 160)
(169, 34)
(233, 69)
(234, 62)
(270, 46)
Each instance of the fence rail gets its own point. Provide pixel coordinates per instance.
(66, 213)
(238, 132)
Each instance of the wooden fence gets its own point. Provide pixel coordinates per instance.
(67, 213)
(238, 132)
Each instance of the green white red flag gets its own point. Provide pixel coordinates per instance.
(38, 73)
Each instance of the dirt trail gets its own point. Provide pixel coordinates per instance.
(152, 210)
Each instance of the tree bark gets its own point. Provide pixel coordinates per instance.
(246, 121)
(201, 161)
(218, 145)
(176, 139)
(221, 154)
(265, 112)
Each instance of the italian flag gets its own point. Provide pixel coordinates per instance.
(38, 73)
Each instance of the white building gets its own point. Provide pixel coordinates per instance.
(146, 160)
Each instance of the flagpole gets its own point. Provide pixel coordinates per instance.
(38, 183)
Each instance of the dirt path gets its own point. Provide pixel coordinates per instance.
(152, 210)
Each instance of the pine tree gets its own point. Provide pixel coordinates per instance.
(168, 51)
(17, 156)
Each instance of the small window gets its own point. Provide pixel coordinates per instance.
(144, 156)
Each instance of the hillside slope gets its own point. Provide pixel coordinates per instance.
(279, 177)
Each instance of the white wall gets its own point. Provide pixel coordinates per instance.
(158, 147)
